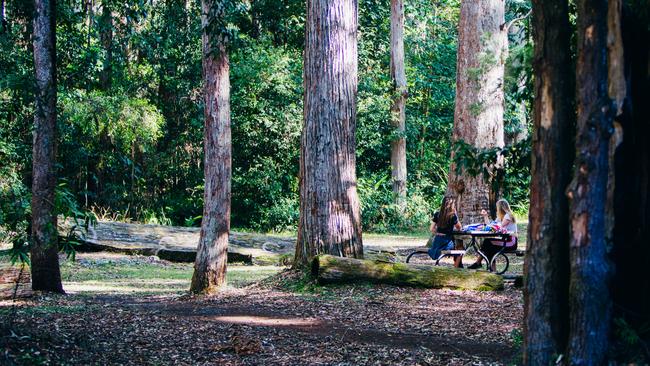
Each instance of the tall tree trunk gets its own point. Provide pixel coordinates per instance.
(46, 274)
(210, 265)
(631, 254)
(106, 38)
(478, 117)
(398, 109)
(589, 295)
(547, 259)
(330, 221)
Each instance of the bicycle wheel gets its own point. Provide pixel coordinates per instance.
(408, 258)
(500, 263)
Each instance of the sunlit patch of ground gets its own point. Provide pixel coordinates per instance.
(135, 310)
(107, 273)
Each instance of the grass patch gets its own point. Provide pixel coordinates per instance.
(142, 276)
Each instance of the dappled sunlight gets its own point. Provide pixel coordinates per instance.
(268, 321)
(127, 287)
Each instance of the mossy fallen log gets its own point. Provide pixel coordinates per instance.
(331, 269)
(9, 276)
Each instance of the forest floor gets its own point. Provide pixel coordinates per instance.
(134, 310)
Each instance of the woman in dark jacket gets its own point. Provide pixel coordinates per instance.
(444, 222)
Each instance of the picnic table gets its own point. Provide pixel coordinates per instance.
(500, 261)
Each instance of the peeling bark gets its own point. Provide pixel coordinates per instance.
(46, 275)
(210, 265)
(547, 259)
(330, 220)
(478, 116)
(589, 294)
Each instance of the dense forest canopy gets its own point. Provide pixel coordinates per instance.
(131, 114)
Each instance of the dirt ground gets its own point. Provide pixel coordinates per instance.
(135, 311)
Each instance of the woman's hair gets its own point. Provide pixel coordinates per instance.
(503, 208)
(447, 212)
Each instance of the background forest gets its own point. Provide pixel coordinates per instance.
(131, 115)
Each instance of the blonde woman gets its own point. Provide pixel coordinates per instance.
(505, 220)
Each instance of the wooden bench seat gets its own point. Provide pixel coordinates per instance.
(454, 252)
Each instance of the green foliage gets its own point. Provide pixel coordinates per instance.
(381, 215)
(506, 169)
(131, 149)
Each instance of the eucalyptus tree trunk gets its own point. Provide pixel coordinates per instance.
(398, 108)
(330, 221)
(46, 275)
(478, 116)
(210, 265)
(589, 294)
(547, 259)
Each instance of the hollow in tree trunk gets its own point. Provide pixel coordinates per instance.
(478, 116)
(398, 108)
(210, 265)
(330, 222)
(547, 259)
(46, 275)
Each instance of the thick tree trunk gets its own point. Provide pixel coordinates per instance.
(631, 287)
(330, 269)
(478, 117)
(330, 221)
(210, 264)
(106, 38)
(398, 109)
(46, 275)
(547, 259)
(589, 294)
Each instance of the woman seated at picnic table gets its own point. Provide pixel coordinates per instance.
(505, 220)
(444, 222)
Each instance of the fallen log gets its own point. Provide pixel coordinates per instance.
(331, 269)
(12, 275)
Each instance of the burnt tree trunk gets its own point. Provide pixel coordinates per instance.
(631, 287)
(478, 116)
(46, 275)
(398, 108)
(210, 265)
(547, 259)
(589, 294)
(330, 220)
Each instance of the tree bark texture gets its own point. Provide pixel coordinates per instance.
(330, 269)
(478, 116)
(46, 274)
(398, 108)
(330, 220)
(547, 258)
(210, 265)
(589, 294)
